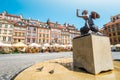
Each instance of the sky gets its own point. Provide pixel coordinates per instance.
(62, 10)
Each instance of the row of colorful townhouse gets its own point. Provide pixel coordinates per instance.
(15, 29)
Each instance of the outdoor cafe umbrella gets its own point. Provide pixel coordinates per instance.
(19, 44)
(63, 46)
(56, 45)
(69, 45)
(7, 45)
(111, 45)
(117, 45)
(46, 45)
(1, 44)
(35, 45)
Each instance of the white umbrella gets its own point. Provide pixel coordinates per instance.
(7, 45)
(117, 45)
(113, 47)
(70, 45)
(46, 45)
(19, 44)
(63, 46)
(43, 47)
(1, 44)
(51, 45)
(34, 45)
(55, 45)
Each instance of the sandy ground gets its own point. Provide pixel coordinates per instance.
(61, 69)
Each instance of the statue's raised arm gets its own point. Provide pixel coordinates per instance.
(84, 14)
(77, 13)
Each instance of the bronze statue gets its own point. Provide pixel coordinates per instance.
(89, 26)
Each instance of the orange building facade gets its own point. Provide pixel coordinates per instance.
(112, 29)
(43, 33)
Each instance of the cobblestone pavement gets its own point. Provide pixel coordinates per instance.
(11, 64)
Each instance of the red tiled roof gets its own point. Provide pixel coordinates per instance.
(51, 25)
(115, 15)
(9, 21)
(12, 22)
(61, 27)
(33, 20)
(112, 22)
(12, 15)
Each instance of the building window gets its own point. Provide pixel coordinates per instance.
(117, 17)
(47, 41)
(113, 34)
(43, 35)
(28, 39)
(115, 40)
(4, 38)
(117, 24)
(5, 31)
(33, 40)
(28, 28)
(34, 34)
(6, 25)
(0, 25)
(110, 40)
(39, 40)
(11, 26)
(108, 26)
(113, 29)
(109, 30)
(43, 40)
(15, 40)
(40, 30)
(15, 33)
(39, 35)
(118, 28)
(119, 39)
(47, 35)
(109, 35)
(19, 40)
(34, 29)
(23, 34)
(118, 33)
(9, 38)
(28, 34)
(10, 31)
(112, 25)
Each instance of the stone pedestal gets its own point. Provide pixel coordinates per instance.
(93, 53)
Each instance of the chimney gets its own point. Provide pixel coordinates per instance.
(21, 16)
(65, 24)
(56, 22)
(68, 24)
(48, 21)
(4, 12)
